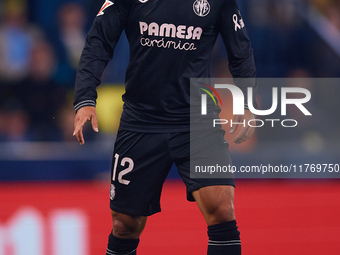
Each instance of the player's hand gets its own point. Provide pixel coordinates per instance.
(246, 131)
(87, 113)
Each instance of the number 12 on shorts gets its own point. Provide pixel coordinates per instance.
(124, 171)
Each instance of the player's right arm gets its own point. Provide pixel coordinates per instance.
(98, 51)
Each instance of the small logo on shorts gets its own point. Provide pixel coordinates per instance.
(143, 1)
(112, 192)
(201, 8)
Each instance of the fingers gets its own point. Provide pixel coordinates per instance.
(80, 137)
(234, 126)
(246, 131)
(94, 123)
(241, 136)
(83, 115)
(78, 129)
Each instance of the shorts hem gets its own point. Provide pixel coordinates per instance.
(190, 198)
(133, 211)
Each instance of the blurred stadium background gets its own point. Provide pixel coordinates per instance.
(54, 193)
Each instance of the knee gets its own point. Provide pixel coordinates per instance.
(216, 203)
(221, 212)
(127, 226)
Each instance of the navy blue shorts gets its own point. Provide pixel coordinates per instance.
(141, 162)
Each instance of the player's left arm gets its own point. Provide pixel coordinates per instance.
(241, 62)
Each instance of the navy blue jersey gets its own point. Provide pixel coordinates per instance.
(170, 42)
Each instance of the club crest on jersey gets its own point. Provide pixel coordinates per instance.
(201, 8)
(105, 5)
